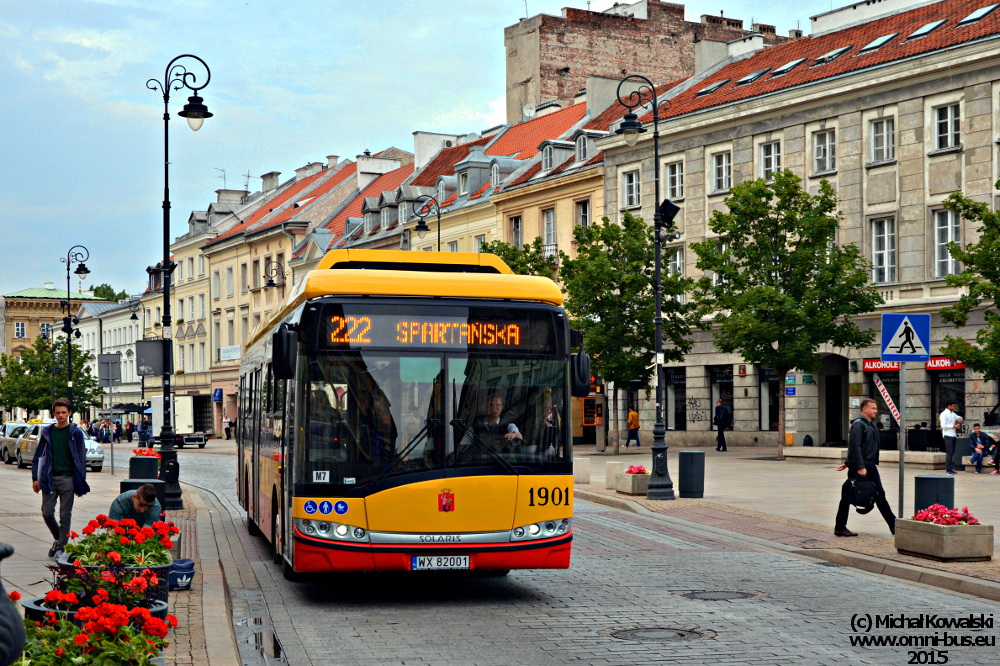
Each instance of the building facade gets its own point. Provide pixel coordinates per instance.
(29, 313)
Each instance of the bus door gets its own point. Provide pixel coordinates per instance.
(254, 436)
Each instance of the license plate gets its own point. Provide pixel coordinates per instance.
(419, 563)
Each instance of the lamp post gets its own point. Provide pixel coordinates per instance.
(45, 336)
(423, 207)
(660, 485)
(273, 269)
(78, 255)
(175, 77)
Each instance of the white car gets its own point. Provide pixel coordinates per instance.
(27, 444)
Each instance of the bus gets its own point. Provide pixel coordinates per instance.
(411, 411)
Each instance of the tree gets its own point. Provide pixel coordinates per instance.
(528, 260)
(108, 293)
(981, 277)
(780, 286)
(26, 382)
(610, 297)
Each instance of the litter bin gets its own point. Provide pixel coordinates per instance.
(933, 489)
(691, 474)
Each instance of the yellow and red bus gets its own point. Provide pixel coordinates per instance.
(411, 411)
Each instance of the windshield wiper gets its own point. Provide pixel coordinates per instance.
(478, 441)
(419, 437)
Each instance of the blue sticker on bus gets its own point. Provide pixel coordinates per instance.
(325, 507)
(310, 507)
(340, 507)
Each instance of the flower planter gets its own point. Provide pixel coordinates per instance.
(34, 610)
(945, 543)
(143, 467)
(632, 484)
(162, 571)
(175, 552)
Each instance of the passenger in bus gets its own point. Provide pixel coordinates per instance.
(323, 421)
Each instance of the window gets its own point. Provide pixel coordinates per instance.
(480, 242)
(180, 309)
(280, 260)
(157, 320)
(191, 308)
(832, 55)
(216, 335)
(201, 264)
(230, 331)
(722, 171)
(190, 268)
(883, 250)
(149, 317)
(947, 229)
(547, 157)
(201, 356)
(825, 151)
(711, 88)
(453, 246)
(243, 278)
(630, 189)
(368, 225)
(581, 148)
(927, 29)
(675, 180)
(878, 43)
(45, 329)
(495, 175)
(440, 194)
(180, 357)
(20, 330)
(463, 183)
(427, 249)
(750, 78)
(883, 140)
(675, 264)
(947, 123)
(255, 274)
(770, 159)
(179, 270)
(722, 248)
(216, 289)
(978, 14)
(384, 217)
(515, 231)
(229, 282)
(402, 213)
(549, 224)
(787, 67)
(583, 213)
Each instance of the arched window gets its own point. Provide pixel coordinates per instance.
(495, 175)
(547, 158)
(581, 148)
(440, 195)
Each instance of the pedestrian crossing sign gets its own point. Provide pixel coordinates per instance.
(906, 337)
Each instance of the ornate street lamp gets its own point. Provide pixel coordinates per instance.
(77, 254)
(660, 485)
(424, 206)
(273, 269)
(175, 77)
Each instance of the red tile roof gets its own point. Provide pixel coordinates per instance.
(314, 196)
(387, 181)
(450, 200)
(603, 121)
(444, 163)
(521, 140)
(481, 191)
(280, 199)
(904, 23)
(527, 175)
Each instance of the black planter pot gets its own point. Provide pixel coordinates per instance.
(34, 610)
(159, 593)
(143, 467)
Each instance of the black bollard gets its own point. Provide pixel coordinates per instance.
(931, 489)
(691, 474)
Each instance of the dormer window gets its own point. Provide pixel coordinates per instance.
(402, 213)
(547, 158)
(463, 183)
(581, 148)
(368, 222)
(495, 176)
(440, 194)
(384, 217)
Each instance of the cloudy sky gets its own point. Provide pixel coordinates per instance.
(291, 83)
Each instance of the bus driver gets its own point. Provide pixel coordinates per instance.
(499, 434)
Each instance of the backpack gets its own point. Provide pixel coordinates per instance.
(860, 492)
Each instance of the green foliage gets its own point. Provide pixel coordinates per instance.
(108, 293)
(783, 286)
(528, 260)
(981, 277)
(610, 297)
(27, 382)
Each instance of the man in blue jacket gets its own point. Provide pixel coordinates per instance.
(862, 460)
(59, 470)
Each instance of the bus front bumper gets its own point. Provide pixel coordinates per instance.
(315, 555)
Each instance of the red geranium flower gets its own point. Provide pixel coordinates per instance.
(14, 596)
(81, 639)
(114, 557)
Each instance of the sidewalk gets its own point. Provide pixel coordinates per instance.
(791, 506)
(200, 638)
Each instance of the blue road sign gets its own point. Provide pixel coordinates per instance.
(906, 337)
(789, 390)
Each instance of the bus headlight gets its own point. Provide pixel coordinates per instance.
(533, 530)
(548, 529)
(518, 532)
(332, 531)
(324, 528)
(359, 533)
(342, 530)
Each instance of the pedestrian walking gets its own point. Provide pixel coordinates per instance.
(118, 432)
(862, 461)
(633, 426)
(59, 471)
(227, 425)
(723, 419)
(129, 430)
(948, 420)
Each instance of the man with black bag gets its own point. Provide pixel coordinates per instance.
(862, 463)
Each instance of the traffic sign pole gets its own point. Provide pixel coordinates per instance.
(902, 437)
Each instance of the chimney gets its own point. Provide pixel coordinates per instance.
(708, 54)
(371, 167)
(745, 45)
(331, 161)
(795, 33)
(230, 196)
(428, 144)
(315, 168)
(270, 181)
(763, 29)
(602, 93)
(50, 285)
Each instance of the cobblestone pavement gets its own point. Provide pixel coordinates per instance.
(628, 571)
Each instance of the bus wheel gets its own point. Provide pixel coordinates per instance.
(290, 573)
(275, 550)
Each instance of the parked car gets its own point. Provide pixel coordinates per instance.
(27, 444)
(95, 453)
(9, 433)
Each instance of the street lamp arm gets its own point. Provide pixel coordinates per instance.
(646, 92)
(76, 255)
(176, 76)
(428, 206)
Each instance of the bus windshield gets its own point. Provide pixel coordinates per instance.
(374, 416)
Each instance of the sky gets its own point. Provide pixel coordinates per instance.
(291, 82)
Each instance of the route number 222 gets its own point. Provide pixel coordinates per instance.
(542, 496)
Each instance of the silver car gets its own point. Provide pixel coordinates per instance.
(9, 432)
(27, 444)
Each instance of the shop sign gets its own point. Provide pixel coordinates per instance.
(789, 390)
(887, 398)
(807, 379)
(857, 388)
(878, 365)
(789, 379)
(216, 395)
(944, 363)
(722, 374)
(743, 370)
(768, 375)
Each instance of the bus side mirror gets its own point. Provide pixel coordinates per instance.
(284, 350)
(580, 380)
